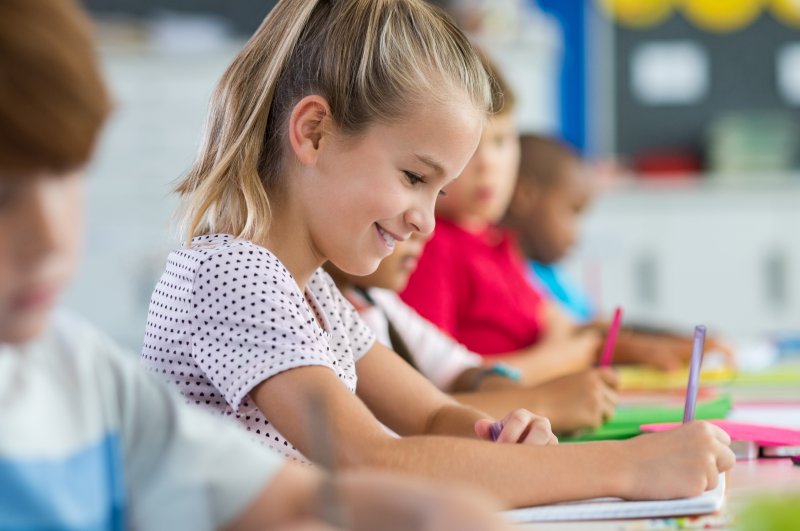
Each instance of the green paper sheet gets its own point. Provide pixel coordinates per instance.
(627, 419)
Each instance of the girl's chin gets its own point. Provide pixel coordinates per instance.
(361, 269)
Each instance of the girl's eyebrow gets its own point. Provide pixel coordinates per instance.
(425, 159)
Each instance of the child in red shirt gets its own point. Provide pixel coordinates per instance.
(482, 299)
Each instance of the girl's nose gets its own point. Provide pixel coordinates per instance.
(420, 219)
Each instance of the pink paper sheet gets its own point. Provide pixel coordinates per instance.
(744, 431)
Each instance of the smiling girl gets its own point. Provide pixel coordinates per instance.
(330, 137)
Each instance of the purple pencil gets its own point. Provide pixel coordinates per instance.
(694, 372)
(495, 429)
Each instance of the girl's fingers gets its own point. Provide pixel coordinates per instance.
(540, 436)
(540, 433)
(483, 429)
(519, 426)
(721, 435)
(515, 428)
(725, 458)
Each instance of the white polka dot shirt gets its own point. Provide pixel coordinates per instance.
(227, 315)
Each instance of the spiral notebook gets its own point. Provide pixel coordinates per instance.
(616, 508)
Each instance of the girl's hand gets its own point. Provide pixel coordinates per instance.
(519, 426)
(678, 463)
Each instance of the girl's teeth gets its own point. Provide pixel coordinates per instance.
(386, 237)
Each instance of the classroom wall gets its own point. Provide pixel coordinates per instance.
(150, 141)
(716, 251)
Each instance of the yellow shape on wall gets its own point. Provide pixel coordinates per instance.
(787, 11)
(722, 16)
(637, 13)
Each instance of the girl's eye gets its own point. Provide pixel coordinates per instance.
(413, 178)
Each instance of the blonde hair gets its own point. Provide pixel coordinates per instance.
(371, 59)
(503, 99)
(53, 100)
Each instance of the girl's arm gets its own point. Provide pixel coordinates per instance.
(678, 463)
(384, 384)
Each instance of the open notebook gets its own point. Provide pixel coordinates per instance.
(615, 508)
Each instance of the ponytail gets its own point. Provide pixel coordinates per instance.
(225, 174)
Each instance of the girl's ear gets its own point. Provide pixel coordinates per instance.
(308, 124)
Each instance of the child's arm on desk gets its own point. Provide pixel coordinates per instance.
(674, 464)
(555, 356)
(576, 401)
(661, 348)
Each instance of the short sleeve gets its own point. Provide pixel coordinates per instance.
(184, 469)
(250, 322)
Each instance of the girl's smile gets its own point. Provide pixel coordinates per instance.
(387, 238)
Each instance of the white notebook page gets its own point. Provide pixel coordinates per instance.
(615, 508)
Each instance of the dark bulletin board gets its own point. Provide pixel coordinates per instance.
(243, 15)
(742, 77)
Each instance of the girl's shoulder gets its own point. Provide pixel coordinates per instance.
(239, 254)
(215, 244)
(226, 260)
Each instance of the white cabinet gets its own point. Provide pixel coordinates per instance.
(727, 255)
